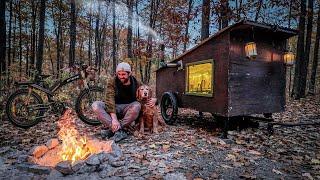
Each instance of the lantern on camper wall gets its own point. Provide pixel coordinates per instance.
(251, 50)
(289, 58)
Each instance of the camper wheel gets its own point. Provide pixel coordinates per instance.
(169, 107)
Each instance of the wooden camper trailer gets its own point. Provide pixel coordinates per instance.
(226, 75)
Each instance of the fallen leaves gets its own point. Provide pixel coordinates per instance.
(277, 171)
(193, 146)
(308, 175)
(165, 147)
(253, 152)
(315, 161)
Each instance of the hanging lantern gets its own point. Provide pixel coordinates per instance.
(289, 58)
(251, 50)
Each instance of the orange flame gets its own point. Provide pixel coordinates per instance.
(74, 147)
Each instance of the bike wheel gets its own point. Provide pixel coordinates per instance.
(19, 108)
(84, 102)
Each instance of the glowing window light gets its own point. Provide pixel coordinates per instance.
(289, 58)
(251, 50)
(199, 78)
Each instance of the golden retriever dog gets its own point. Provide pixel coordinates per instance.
(149, 117)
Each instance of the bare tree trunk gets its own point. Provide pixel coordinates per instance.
(59, 37)
(27, 59)
(9, 36)
(129, 35)
(224, 13)
(20, 40)
(41, 36)
(104, 43)
(153, 17)
(297, 84)
(81, 49)
(97, 38)
(205, 22)
(90, 37)
(290, 68)
(238, 10)
(186, 40)
(2, 37)
(27, 46)
(47, 41)
(312, 82)
(304, 70)
(137, 43)
(258, 10)
(73, 32)
(33, 32)
(290, 14)
(114, 37)
(14, 40)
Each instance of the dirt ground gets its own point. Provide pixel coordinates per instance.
(191, 148)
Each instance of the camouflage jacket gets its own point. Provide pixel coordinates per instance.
(112, 91)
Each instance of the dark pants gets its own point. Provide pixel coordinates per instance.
(126, 113)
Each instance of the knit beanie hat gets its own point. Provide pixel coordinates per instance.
(123, 67)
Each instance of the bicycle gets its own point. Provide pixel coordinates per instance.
(25, 107)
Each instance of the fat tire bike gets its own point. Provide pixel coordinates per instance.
(26, 108)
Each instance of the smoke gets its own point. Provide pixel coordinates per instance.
(103, 8)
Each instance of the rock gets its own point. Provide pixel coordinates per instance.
(23, 167)
(4, 150)
(22, 158)
(117, 163)
(111, 158)
(104, 167)
(114, 171)
(54, 175)
(103, 156)
(64, 167)
(175, 176)
(228, 141)
(38, 151)
(86, 169)
(1, 161)
(103, 174)
(36, 169)
(143, 172)
(93, 160)
(90, 176)
(133, 178)
(52, 143)
(115, 178)
(116, 150)
(77, 165)
(32, 159)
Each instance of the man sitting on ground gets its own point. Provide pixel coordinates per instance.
(120, 102)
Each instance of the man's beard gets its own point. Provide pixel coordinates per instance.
(124, 81)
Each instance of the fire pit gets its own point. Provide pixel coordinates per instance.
(71, 152)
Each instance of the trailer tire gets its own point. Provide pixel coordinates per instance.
(169, 107)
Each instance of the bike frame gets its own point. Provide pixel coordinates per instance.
(51, 90)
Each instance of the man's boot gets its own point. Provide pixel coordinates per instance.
(106, 133)
(119, 135)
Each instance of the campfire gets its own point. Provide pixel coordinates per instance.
(74, 147)
(70, 149)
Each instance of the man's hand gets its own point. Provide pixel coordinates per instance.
(115, 125)
(151, 102)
